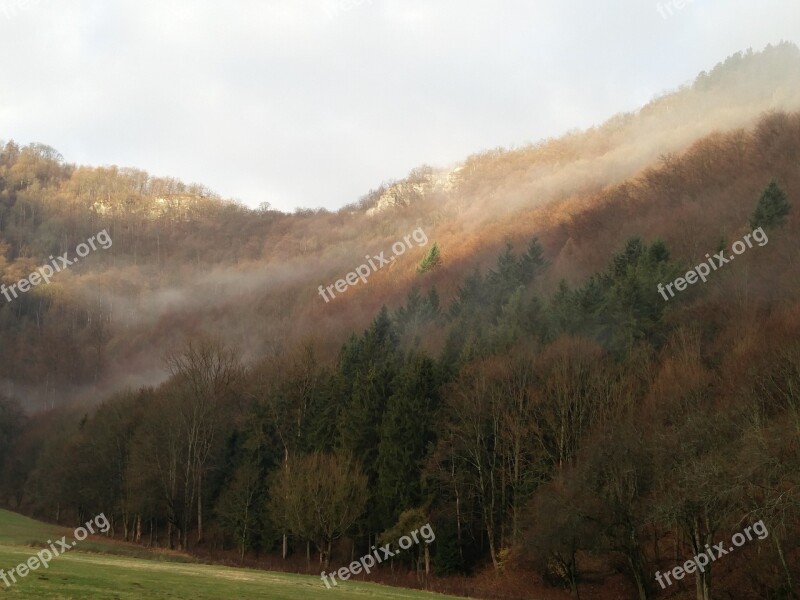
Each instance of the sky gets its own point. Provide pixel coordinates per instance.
(312, 103)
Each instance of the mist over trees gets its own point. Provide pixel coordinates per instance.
(527, 392)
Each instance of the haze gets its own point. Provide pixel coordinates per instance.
(307, 103)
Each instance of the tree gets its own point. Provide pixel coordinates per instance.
(772, 208)
(319, 497)
(430, 261)
(160, 470)
(617, 471)
(206, 372)
(560, 527)
(289, 391)
(523, 472)
(408, 521)
(469, 441)
(103, 458)
(696, 488)
(238, 505)
(406, 432)
(11, 421)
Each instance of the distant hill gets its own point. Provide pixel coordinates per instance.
(186, 261)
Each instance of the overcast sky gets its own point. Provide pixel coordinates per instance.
(307, 103)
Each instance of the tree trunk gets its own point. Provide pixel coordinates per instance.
(490, 535)
(572, 573)
(635, 562)
(786, 572)
(641, 588)
(700, 539)
(458, 527)
(200, 505)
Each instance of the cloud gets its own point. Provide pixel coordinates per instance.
(287, 102)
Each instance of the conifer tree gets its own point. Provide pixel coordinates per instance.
(771, 209)
(406, 432)
(430, 261)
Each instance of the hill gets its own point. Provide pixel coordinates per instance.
(574, 365)
(185, 262)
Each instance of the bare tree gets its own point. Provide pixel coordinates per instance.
(319, 497)
(207, 372)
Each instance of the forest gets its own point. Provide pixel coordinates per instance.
(529, 393)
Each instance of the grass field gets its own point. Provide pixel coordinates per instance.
(112, 571)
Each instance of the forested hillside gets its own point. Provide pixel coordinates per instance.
(528, 391)
(185, 262)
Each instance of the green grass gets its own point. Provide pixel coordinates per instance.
(113, 571)
(16, 530)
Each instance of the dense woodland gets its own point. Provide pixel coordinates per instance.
(533, 397)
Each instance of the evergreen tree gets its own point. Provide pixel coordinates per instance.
(359, 421)
(408, 317)
(562, 309)
(433, 305)
(621, 306)
(469, 297)
(406, 432)
(533, 262)
(520, 317)
(430, 261)
(771, 209)
(447, 559)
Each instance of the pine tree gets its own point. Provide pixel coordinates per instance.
(431, 260)
(771, 209)
(409, 317)
(406, 431)
(432, 305)
(533, 261)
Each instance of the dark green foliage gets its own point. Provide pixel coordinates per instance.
(407, 430)
(321, 433)
(620, 307)
(447, 556)
(492, 312)
(360, 419)
(12, 420)
(772, 208)
(521, 317)
(369, 365)
(418, 311)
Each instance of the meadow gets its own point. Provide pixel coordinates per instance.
(108, 570)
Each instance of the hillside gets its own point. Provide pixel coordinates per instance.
(184, 261)
(577, 364)
(97, 569)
